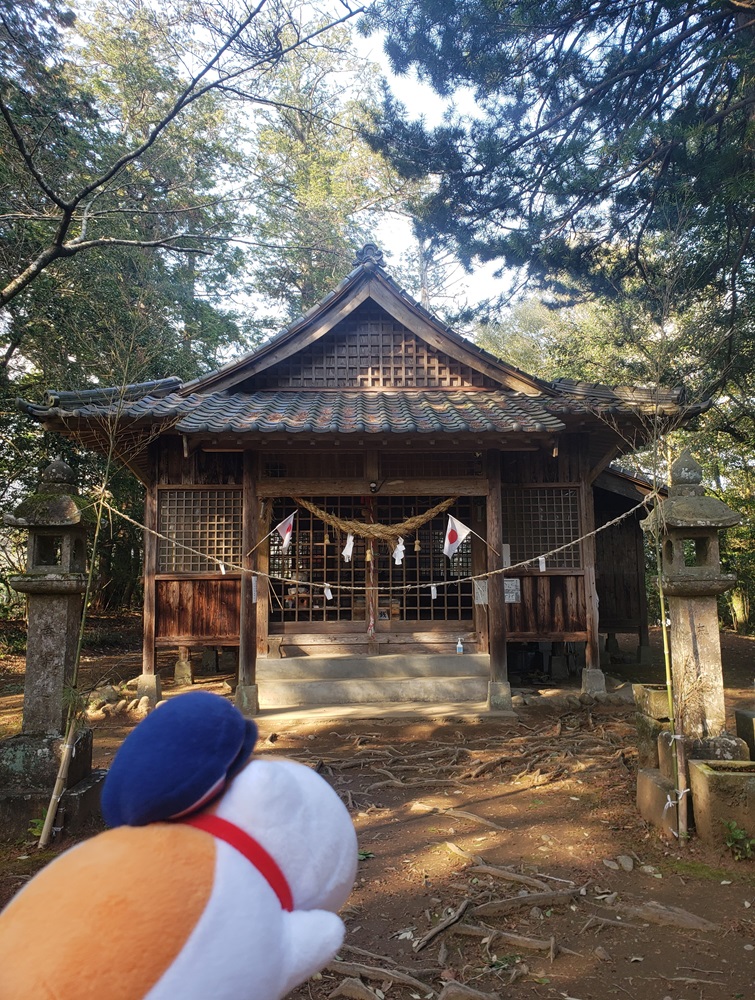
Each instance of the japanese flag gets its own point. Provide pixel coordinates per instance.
(285, 530)
(456, 532)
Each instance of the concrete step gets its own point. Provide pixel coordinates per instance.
(396, 666)
(365, 690)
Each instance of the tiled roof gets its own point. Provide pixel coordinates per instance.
(596, 396)
(331, 412)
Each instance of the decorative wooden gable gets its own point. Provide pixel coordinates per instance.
(370, 349)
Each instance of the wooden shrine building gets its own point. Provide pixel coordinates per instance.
(372, 411)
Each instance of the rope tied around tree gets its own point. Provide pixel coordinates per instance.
(382, 532)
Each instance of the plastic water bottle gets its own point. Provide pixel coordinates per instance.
(459, 645)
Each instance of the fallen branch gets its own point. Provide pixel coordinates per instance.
(508, 876)
(508, 937)
(362, 952)
(467, 855)
(605, 922)
(354, 989)
(457, 991)
(373, 972)
(489, 765)
(442, 926)
(496, 907)
(668, 916)
(463, 814)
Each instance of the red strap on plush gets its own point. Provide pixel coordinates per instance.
(252, 850)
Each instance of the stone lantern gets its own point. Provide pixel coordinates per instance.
(688, 523)
(54, 582)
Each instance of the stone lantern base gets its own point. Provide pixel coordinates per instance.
(28, 769)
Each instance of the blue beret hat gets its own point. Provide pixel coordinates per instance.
(177, 759)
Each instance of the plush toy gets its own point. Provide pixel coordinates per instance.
(221, 877)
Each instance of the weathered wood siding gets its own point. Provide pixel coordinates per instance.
(198, 609)
(201, 468)
(620, 566)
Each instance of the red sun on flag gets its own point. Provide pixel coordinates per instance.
(456, 532)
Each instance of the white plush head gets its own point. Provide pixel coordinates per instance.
(300, 820)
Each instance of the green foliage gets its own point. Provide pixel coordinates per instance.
(611, 152)
(317, 186)
(737, 840)
(36, 825)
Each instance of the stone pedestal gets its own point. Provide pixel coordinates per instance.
(246, 699)
(593, 681)
(722, 792)
(29, 766)
(183, 671)
(719, 748)
(696, 666)
(499, 697)
(148, 686)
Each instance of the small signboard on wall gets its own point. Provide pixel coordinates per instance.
(481, 591)
(512, 591)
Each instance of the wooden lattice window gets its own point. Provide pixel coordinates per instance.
(370, 350)
(541, 519)
(430, 465)
(311, 560)
(198, 529)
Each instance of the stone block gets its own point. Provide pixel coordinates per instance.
(148, 686)
(648, 731)
(643, 656)
(653, 794)
(183, 673)
(228, 661)
(723, 748)
(722, 792)
(499, 697)
(209, 661)
(745, 719)
(652, 700)
(79, 805)
(593, 681)
(246, 699)
(559, 668)
(29, 761)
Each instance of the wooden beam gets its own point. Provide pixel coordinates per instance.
(262, 562)
(463, 487)
(592, 650)
(496, 606)
(150, 566)
(248, 610)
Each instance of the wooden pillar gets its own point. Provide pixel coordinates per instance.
(246, 689)
(643, 649)
(593, 680)
(149, 682)
(262, 562)
(499, 696)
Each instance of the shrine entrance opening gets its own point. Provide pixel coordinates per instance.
(370, 593)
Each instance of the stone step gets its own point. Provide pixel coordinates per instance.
(395, 666)
(289, 693)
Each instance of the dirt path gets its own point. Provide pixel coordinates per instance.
(548, 798)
